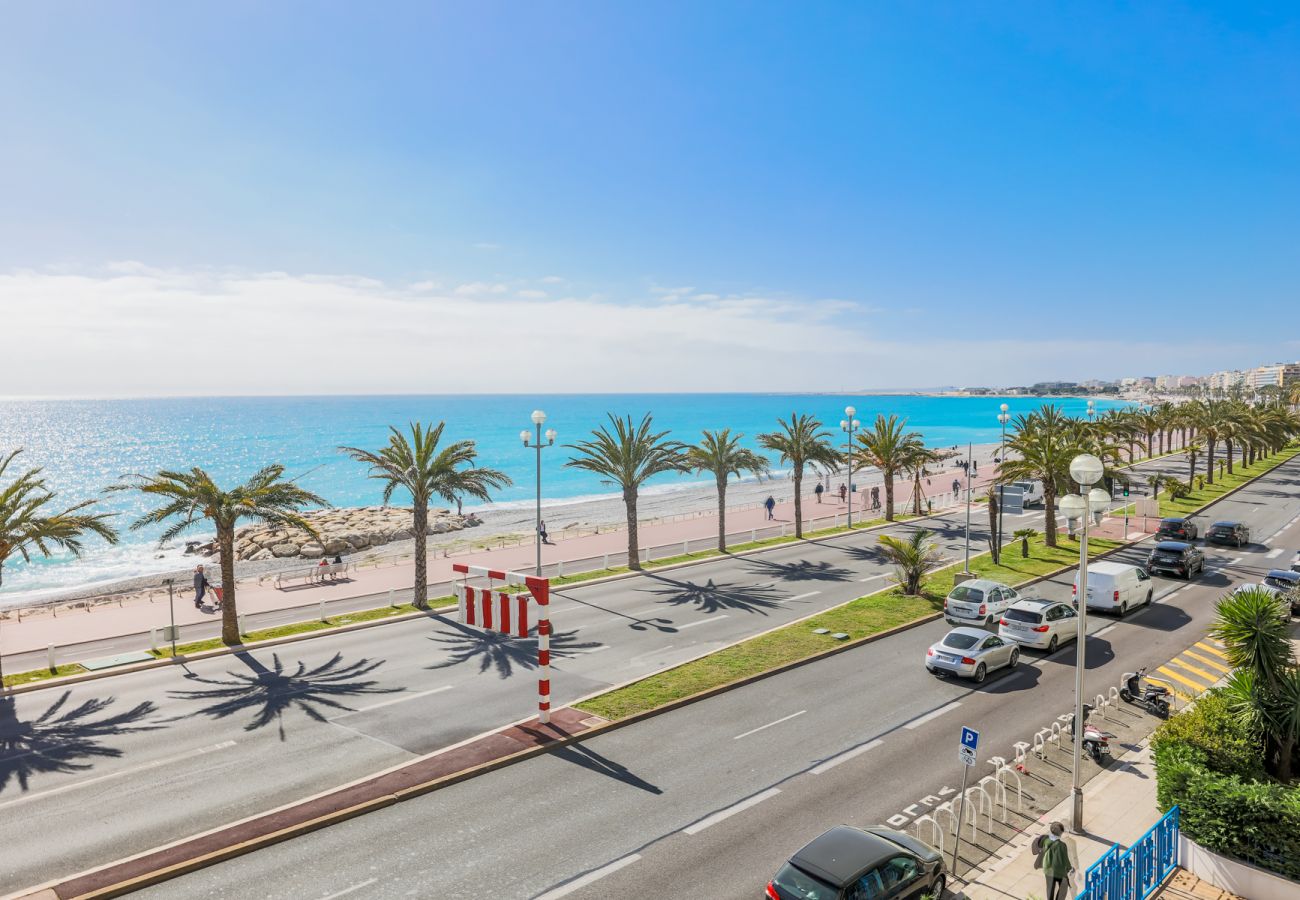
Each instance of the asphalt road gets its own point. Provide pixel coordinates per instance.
(706, 801)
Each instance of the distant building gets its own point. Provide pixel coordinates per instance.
(1054, 387)
(1279, 374)
(1187, 381)
(1227, 380)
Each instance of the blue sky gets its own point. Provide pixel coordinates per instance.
(869, 176)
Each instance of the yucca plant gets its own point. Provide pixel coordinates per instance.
(1025, 534)
(913, 557)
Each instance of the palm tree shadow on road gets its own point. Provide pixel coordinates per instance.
(801, 570)
(710, 597)
(503, 652)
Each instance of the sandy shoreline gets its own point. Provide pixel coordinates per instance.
(655, 504)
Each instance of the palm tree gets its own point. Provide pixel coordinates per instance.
(1024, 534)
(720, 452)
(1211, 420)
(915, 461)
(28, 524)
(191, 497)
(1044, 441)
(416, 465)
(801, 441)
(913, 557)
(628, 456)
(888, 446)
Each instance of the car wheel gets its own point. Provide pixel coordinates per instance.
(981, 672)
(1150, 594)
(1123, 609)
(988, 622)
(1051, 645)
(1015, 658)
(940, 885)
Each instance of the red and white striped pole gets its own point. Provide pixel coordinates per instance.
(541, 591)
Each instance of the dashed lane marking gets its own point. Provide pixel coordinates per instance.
(1273, 554)
(932, 714)
(396, 700)
(590, 878)
(798, 597)
(1206, 661)
(844, 757)
(720, 815)
(871, 578)
(770, 724)
(712, 618)
(349, 890)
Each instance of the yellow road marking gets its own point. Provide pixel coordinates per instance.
(1181, 680)
(1173, 687)
(1213, 664)
(1210, 677)
(1215, 650)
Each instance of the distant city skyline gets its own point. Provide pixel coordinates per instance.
(482, 197)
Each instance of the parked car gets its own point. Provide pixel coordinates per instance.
(978, 602)
(1295, 563)
(1033, 492)
(848, 863)
(1287, 605)
(1178, 529)
(1043, 624)
(1115, 587)
(1176, 558)
(1233, 533)
(971, 653)
(1287, 584)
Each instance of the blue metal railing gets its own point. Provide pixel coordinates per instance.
(1134, 873)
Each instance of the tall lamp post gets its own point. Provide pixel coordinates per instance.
(1003, 418)
(1086, 470)
(539, 418)
(848, 426)
(1092, 410)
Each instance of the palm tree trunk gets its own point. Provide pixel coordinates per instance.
(633, 545)
(420, 525)
(889, 495)
(995, 539)
(1049, 511)
(1209, 461)
(1227, 448)
(229, 613)
(798, 500)
(722, 514)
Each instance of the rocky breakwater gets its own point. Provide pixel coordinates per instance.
(342, 531)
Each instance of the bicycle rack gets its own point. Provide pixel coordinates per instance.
(1002, 770)
(935, 831)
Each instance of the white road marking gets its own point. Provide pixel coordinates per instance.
(1273, 554)
(1234, 561)
(799, 597)
(591, 877)
(871, 578)
(932, 714)
(730, 811)
(395, 700)
(770, 724)
(349, 890)
(713, 618)
(844, 757)
(1103, 631)
(131, 771)
(595, 649)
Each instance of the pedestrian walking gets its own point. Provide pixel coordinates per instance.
(818, 491)
(844, 492)
(956, 488)
(974, 466)
(875, 498)
(201, 586)
(1056, 856)
(541, 530)
(770, 505)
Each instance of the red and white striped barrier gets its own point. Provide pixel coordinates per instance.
(491, 610)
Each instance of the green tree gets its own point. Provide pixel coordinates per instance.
(627, 457)
(1024, 534)
(720, 453)
(1043, 443)
(889, 446)
(192, 497)
(800, 442)
(415, 464)
(913, 557)
(29, 523)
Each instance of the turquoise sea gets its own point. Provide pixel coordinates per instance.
(86, 445)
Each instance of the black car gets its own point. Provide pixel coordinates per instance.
(849, 863)
(1234, 533)
(1179, 529)
(1176, 558)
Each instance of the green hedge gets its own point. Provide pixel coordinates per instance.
(1210, 767)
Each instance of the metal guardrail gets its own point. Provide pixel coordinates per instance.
(1134, 873)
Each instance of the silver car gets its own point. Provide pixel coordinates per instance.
(971, 653)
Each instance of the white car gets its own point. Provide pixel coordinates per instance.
(1038, 623)
(978, 602)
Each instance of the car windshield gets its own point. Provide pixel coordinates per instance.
(1023, 615)
(959, 641)
(1169, 554)
(966, 594)
(798, 882)
(1279, 581)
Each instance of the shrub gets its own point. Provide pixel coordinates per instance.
(1177, 489)
(1210, 727)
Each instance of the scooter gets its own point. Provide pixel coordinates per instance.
(1153, 698)
(1096, 743)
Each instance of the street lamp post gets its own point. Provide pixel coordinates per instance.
(1092, 410)
(1086, 470)
(848, 426)
(969, 449)
(539, 418)
(1003, 418)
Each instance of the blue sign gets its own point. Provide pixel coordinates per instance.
(970, 737)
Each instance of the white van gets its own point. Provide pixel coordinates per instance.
(1033, 492)
(1115, 587)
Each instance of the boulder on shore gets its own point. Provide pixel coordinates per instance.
(340, 532)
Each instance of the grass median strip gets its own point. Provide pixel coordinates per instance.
(865, 616)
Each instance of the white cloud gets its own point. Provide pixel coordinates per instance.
(211, 332)
(552, 279)
(530, 294)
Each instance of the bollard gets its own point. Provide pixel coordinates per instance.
(54, 665)
(391, 604)
(604, 561)
(322, 610)
(684, 546)
(559, 568)
(241, 624)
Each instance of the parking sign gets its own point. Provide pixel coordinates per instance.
(970, 738)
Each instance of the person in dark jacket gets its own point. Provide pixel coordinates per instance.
(200, 586)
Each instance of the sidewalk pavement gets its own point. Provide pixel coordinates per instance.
(139, 614)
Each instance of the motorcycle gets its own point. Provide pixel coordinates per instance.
(1096, 743)
(1153, 698)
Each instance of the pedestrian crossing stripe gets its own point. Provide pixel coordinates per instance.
(1169, 684)
(1215, 650)
(1181, 680)
(1209, 677)
(1205, 660)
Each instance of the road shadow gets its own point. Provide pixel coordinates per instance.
(503, 652)
(1098, 649)
(581, 755)
(710, 597)
(1009, 681)
(1161, 617)
(63, 739)
(800, 570)
(269, 693)
(635, 623)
